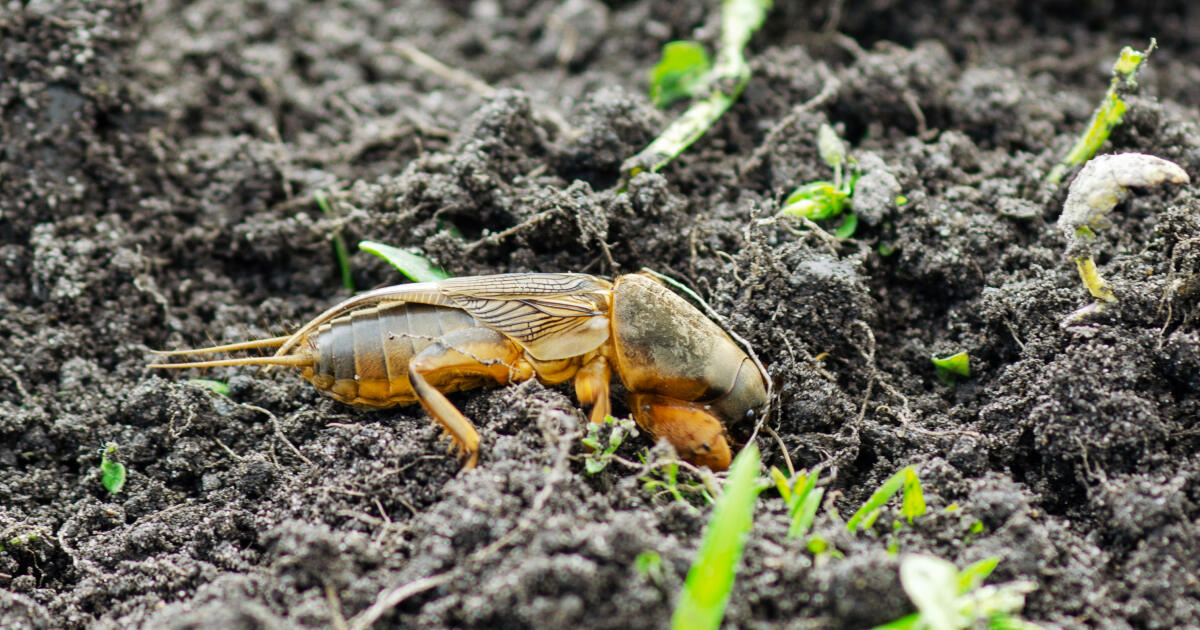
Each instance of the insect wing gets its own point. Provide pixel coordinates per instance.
(551, 315)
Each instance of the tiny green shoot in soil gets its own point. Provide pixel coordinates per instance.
(1108, 115)
(112, 472)
(706, 592)
(665, 480)
(218, 387)
(912, 504)
(415, 266)
(949, 599)
(649, 565)
(802, 497)
(822, 199)
(601, 454)
(341, 252)
(716, 90)
(950, 369)
(680, 73)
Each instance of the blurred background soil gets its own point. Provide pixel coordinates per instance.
(158, 166)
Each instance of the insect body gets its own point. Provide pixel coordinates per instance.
(688, 382)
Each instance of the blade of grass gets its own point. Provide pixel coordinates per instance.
(729, 75)
(416, 267)
(706, 592)
(339, 244)
(905, 479)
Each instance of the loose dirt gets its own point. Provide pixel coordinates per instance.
(158, 162)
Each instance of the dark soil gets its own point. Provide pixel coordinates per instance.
(158, 162)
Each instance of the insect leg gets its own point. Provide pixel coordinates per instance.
(691, 428)
(591, 387)
(466, 353)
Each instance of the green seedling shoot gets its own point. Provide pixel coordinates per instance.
(951, 368)
(715, 90)
(415, 266)
(681, 73)
(949, 599)
(112, 471)
(912, 504)
(601, 454)
(706, 592)
(1102, 184)
(821, 199)
(340, 251)
(1108, 115)
(649, 565)
(665, 480)
(802, 497)
(218, 387)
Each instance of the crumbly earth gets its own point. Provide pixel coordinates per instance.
(158, 166)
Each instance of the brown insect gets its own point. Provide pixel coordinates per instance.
(688, 382)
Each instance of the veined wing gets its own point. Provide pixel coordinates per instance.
(551, 315)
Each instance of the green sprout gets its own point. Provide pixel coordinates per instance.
(649, 565)
(668, 483)
(912, 504)
(950, 368)
(715, 90)
(1108, 115)
(218, 387)
(802, 497)
(949, 599)
(600, 455)
(1100, 185)
(112, 472)
(340, 251)
(680, 74)
(706, 592)
(415, 266)
(822, 199)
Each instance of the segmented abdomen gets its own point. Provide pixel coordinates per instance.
(362, 358)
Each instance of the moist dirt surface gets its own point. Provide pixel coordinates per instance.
(159, 164)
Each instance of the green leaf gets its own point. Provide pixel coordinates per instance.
(955, 365)
(876, 501)
(911, 622)
(1108, 115)
(680, 73)
(848, 227)
(340, 251)
(914, 499)
(932, 585)
(416, 267)
(781, 484)
(729, 75)
(648, 563)
(706, 592)
(815, 200)
(973, 576)
(830, 147)
(802, 518)
(218, 387)
(112, 472)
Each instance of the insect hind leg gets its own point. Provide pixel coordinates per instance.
(466, 353)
